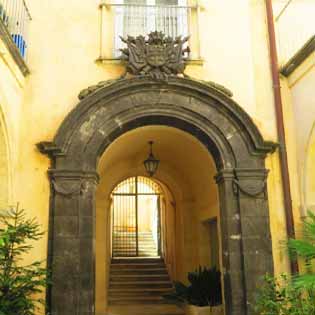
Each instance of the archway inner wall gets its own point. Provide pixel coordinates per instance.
(189, 199)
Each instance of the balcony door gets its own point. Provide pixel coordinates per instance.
(140, 17)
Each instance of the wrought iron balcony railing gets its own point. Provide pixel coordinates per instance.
(295, 25)
(15, 15)
(172, 17)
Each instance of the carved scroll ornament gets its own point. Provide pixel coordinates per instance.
(68, 189)
(252, 190)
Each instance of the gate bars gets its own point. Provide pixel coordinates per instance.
(125, 218)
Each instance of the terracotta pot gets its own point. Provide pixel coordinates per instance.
(203, 310)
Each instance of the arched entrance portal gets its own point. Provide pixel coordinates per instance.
(210, 116)
(136, 213)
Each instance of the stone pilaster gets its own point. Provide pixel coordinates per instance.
(72, 242)
(250, 186)
(233, 273)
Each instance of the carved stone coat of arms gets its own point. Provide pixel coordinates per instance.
(155, 55)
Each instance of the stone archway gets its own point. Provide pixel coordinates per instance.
(203, 111)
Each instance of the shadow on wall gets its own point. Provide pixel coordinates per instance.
(309, 181)
(4, 165)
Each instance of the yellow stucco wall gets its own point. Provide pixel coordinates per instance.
(64, 43)
(300, 84)
(12, 84)
(294, 26)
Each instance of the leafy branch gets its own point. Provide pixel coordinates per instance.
(20, 285)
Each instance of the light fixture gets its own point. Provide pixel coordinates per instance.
(151, 164)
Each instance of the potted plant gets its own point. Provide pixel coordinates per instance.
(202, 296)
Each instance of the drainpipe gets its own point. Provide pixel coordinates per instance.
(280, 127)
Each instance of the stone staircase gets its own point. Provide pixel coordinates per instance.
(138, 281)
(136, 287)
(124, 244)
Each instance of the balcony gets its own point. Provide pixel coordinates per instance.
(295, 26)
(140, 17)
(14, 23)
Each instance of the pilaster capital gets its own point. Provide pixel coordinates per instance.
(223, 175)
(72, 182)
(251, 173)
(251, 182)
(49, 148)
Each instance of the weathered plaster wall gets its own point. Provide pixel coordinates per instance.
(301, 89)
(64, 44)
(294, 26)
(12, 84)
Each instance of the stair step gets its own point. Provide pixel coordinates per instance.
(137, 291)
(132, 233)
(140, 249)
(136, 266)
(137, 260)
(130, 251)
(141, 284)
(133, 245)
(140, 281)
(133, 242)
(126, 278)
(140, 276)
(143, 240)
(138, 297)
(119, 255)
(117, 252)
(161, 271)
(137, 301)
(147, 309)
(133, 238)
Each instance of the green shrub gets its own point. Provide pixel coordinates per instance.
(20, 284)
(304, 248)
(295, 295)
(278, 297)
(204, 288)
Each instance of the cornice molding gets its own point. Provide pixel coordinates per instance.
(299, 57)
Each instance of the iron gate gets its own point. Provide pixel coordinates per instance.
(136, 228)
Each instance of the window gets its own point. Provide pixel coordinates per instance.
(140, 17)
(16, 17)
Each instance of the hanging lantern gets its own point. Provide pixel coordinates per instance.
(151, 164)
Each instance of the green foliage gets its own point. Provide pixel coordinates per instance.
(19, 284)
(278, 297)
(294, 296)
(304, 248)
(204, 288)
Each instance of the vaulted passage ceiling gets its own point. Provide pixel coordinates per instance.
(181, 156)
